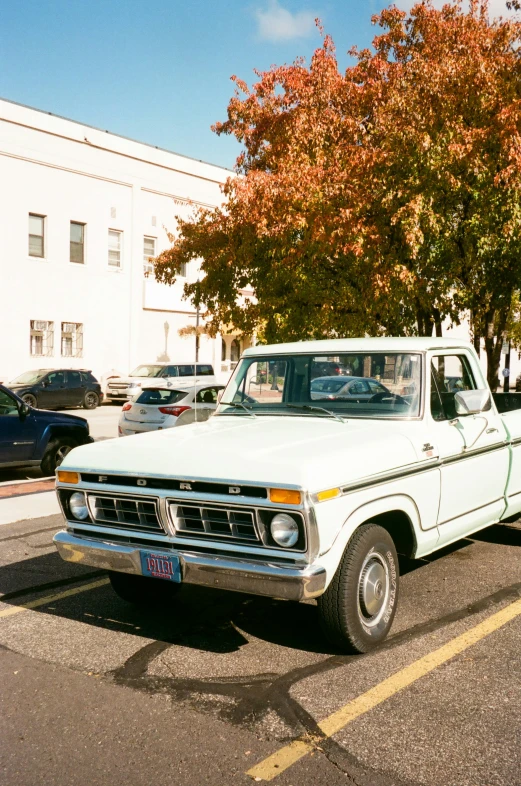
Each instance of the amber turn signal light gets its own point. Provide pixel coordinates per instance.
(68, 477)
(285, 496)
(328, 494)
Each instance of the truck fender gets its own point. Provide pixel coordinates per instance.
(367, 512)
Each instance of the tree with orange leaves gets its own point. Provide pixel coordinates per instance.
(382, 200)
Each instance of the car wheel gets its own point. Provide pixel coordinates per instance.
(30, 400)
(141, 589)
(56, 451)
(357, 609)
(91, 400)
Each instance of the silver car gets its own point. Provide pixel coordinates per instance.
(359, 388)
(160, 407)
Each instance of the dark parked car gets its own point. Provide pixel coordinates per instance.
(31, 437)
(58, 388)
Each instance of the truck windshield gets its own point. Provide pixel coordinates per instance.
(147, 371)
(29, 377)
(354, 384)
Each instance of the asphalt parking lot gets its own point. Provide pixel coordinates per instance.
(222, 687)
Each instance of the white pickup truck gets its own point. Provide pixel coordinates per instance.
(323, 460)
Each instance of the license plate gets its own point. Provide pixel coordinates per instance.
(160, 566)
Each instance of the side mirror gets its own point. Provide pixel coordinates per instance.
(45, 383)
(24, 410)
(470, 402)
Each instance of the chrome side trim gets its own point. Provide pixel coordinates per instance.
(239, 575)
(416, 469)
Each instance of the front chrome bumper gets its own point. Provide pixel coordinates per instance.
(241, 575)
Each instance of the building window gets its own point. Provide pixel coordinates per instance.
(223, 349)
(182, 271)
(36, 235)
(72, 340)
(235, 351)
(77, 242)
(149, 253)
(42, 338)
(115, 245)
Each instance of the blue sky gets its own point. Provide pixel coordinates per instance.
(159, 70)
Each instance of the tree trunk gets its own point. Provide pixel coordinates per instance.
(476, 333)
(426, 321)
(495, 324)
(437, 322)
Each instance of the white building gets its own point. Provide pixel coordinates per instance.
(81, 212)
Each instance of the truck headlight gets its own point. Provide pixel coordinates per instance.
(78, 506)
(284, 530)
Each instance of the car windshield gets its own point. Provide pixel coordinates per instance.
(147, 371)
(29, 377)
(347, 385)
(160, 396)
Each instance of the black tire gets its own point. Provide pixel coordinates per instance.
(91, 400)
(30, 400)
(142, 590)
(56, 451)
(357, 609)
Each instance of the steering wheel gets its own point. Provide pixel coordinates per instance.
(391, 397)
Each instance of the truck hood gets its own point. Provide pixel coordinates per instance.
(311, 453)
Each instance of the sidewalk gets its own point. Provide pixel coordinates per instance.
(21, 500)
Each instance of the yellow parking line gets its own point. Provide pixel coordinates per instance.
(34, 604)
(269, 768)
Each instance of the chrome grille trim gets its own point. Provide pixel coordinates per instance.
(209, 520)
(139, 514)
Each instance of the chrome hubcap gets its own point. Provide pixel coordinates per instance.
(373, 589)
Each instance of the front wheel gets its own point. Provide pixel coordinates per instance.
(30, 400)
(141, 589)
(91, 400)
(357, 609)
(56, 451)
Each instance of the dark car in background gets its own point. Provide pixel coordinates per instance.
(34, 437)
(58, 388)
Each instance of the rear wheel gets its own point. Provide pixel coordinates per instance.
(56, 451)
(141, 589)
(91, 400)
(30, 400)
(357, 609)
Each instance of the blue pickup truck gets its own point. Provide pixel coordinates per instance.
(36, 437)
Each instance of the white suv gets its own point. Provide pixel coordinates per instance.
(121, 389)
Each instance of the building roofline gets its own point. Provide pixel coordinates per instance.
(113, 134)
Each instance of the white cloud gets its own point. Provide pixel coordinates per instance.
(278, 24)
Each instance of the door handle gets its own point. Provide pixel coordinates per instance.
(491, 430)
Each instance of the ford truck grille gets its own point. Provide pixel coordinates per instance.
(208, 521)
(126, 513)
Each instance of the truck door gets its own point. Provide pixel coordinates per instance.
(472, 450)
(17, 435)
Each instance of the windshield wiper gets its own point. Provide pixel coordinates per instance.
(241, 405)
(311, 408)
